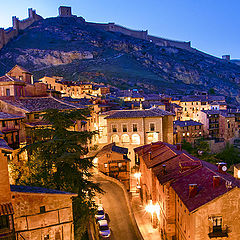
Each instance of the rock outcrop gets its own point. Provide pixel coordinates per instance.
(70, 47)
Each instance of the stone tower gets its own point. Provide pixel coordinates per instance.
(65, 11)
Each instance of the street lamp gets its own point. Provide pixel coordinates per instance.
(154, 210)
(138, 175)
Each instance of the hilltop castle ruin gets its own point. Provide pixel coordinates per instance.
(7, 34)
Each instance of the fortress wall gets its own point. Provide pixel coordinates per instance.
(10, 33)
(134, 33)
(112, 27)
(166, 42)
(103, 26)
(140, 34)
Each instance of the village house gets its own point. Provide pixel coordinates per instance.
(32, 110)
(18, 82)
(132, 128)
(187, 197)
(32, 212)
(193, 104)
(11, 129)
(74, 89)
(113, 161)
(219, 124)
(190, 131)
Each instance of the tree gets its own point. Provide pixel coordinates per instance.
(56, 160)
(230, 155)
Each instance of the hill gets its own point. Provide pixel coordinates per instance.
(77, 51)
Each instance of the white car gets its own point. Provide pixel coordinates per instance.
(100, 213)
(104, 230)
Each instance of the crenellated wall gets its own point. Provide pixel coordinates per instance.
(18, 25)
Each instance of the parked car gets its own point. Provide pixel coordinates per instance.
(104, 230)
(100, 213)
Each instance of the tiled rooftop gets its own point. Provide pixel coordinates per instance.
(114, 148)
(8, 116)
(181, 169)
(187, 123)
(7, 78)
(152, 112)
(4, 145)
(38, 104)
(29, 189)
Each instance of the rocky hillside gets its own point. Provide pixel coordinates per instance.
(68, 47)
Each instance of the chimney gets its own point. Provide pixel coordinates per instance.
(179, 146)
(149, 156)
(164, 169)
(192, 190)
(132, 106)
(222, 167)
(216, 181)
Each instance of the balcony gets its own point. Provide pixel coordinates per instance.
(218, 233)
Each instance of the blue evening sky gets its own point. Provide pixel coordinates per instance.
(211, 25)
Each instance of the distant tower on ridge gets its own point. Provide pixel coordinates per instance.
(65, 11)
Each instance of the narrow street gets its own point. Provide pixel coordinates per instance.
(115, 206)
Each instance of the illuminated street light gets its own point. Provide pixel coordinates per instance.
(138, 175)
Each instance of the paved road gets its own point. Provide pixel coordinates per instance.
(115, 205)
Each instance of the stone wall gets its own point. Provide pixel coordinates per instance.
(18, 25)
(112, 27)
(54, 221)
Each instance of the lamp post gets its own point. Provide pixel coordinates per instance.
(154, 210)
(138, 175)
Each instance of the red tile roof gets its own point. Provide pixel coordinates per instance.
(181, 169)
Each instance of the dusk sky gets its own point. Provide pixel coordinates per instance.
(211, 25)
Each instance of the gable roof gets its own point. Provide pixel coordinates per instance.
(181, 169)
(21, 68)
(114, 148)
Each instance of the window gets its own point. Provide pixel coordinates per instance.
(135, 139)
(114, 128)
(124, 127)
(20, 77)
(125, 138)
(152, 127)
(135, 127)
(183, 134)
(115, 138)
(217, 224)
(105, 165)
(36, 116)
(16, 122)
(8, 92)
(120, 165)
(108, 155)
(46, 237)
(4, 222)
(187, 133)
(3, 124)
(42, 209)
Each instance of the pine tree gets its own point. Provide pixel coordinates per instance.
(57, 160)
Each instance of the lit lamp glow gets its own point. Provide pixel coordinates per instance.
(239, 174)
(138, 175)
(153, 208)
